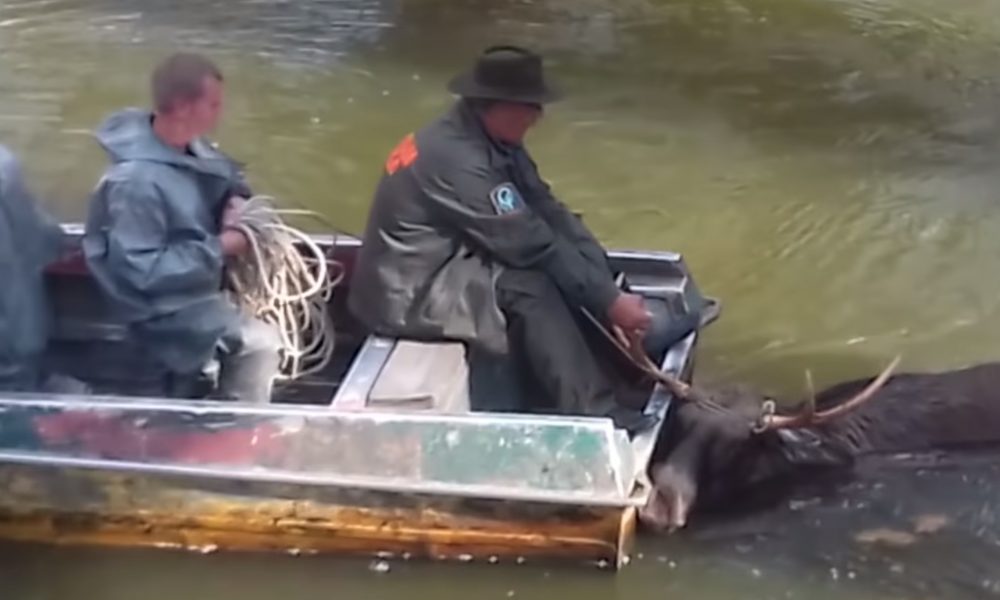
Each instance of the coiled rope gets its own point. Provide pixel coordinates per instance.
(288, 281)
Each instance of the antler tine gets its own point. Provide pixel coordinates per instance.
(633, 348)
(814, 418)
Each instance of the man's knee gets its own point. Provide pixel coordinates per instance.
(260, 337)
(249, 373)
(666, 329)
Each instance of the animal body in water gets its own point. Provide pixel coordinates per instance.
(720, 453)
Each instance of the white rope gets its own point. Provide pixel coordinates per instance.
(288, 281)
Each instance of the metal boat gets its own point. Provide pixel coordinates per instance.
(379, 454)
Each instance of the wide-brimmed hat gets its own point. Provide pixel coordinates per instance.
(506, 73)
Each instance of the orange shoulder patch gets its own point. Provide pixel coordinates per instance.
(402, 156)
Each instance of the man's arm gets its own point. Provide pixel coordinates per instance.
(626, 310)
(9, 292)
(494, 216)
(27, 218)
(141, 251)
(540, 197)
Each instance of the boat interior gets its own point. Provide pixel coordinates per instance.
(90, 345)
(366, 371)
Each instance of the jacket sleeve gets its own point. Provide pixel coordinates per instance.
(28, 222)
(558, 215)
(8, 274)
(142, 251)
(29, 240)
(518, 237)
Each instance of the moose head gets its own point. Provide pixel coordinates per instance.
(713, 451)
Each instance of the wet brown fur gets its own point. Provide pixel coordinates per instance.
(714, 456)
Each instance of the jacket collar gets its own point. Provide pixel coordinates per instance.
(128, 135)
(469, 121)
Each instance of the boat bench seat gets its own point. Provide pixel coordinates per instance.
(406, 375)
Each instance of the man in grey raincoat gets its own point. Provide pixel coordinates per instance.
(465, 241)
(157, 237)
(29, 240)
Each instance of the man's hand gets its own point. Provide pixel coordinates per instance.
(629, 313)
(233, 210)
(234, 243)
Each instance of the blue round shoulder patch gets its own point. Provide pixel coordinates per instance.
(506, 199)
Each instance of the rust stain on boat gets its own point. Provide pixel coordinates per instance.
(71, 506)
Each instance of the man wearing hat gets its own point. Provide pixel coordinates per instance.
(465, 241)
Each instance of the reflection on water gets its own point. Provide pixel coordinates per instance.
(826, 166)
(924, 528)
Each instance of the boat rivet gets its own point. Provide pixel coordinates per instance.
(520, 560)
(379, 566)
(208, 548)
(170, 545)
(465, 557)
(494, 560)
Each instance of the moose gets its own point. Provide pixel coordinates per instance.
(717, 450)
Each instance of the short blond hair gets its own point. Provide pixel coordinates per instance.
(181, 78)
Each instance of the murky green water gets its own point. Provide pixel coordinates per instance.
(826, 166)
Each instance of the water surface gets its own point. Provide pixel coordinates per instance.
(827, 167)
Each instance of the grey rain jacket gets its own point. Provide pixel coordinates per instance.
(152, 240)
(29, 240)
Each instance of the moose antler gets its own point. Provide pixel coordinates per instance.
(631, 346)
(809, 416)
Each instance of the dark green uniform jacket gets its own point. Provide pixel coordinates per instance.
(455, 207)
